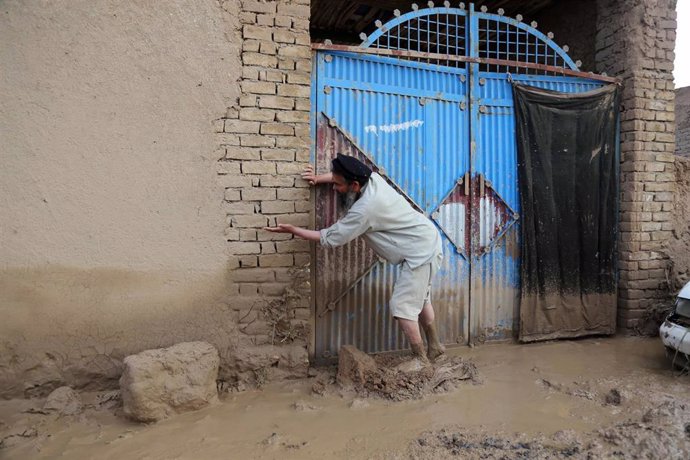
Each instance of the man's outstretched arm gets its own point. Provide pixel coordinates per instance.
(311, 235)
(314, 179)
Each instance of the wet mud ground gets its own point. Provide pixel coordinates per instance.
(593, 398)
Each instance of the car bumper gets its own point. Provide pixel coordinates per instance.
(675, 336)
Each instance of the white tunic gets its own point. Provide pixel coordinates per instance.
(389, 224)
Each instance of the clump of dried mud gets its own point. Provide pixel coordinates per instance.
(387, 381)
(390, 383)
(658, 426)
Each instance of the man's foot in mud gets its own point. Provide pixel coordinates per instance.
(435, 351)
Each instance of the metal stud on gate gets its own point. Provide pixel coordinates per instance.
(414, 7)
(327, 90)
(430, 4)
(518, 18)
(482, 81)
(331, 121)
(578, 63)
(501, 11)
(463, 106)
(378, 23)
(363, 36)
(484, 9)
(446, 4)
(461, 5)
(566, 48)
(534, 24)
(550, 35)
(396, 13)
(463, 78)
(422, 101)
(327, 42)
(328, 58)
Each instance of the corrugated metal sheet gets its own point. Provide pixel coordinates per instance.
(388, 113)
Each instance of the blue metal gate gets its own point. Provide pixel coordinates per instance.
(426, 101)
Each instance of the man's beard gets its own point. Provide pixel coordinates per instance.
(347, 199)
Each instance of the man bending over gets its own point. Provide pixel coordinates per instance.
(396, 232)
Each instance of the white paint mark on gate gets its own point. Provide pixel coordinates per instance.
(393, 128)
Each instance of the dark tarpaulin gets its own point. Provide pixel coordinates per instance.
(567, 168)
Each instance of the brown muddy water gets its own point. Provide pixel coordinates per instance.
(588, 398)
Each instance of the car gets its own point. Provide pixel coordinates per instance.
(675, 331)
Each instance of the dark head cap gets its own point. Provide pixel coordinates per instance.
(351, 169)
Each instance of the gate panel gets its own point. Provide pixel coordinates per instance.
(413, 136)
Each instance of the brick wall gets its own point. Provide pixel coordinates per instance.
(264, 142)
(635, 41)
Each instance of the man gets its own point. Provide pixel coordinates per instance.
(396, 232)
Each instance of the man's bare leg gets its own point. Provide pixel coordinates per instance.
(426, 319)
(411, 331)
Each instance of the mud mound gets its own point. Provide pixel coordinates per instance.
(663, 432)
(385, 379)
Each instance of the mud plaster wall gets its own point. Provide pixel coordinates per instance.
(635, 41)
(112, 215)
(683, 121)
(679, 244)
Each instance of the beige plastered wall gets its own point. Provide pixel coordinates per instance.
(111, 224)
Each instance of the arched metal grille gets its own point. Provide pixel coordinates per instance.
(455, 36)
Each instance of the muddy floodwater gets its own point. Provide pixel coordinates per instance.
(610, 397)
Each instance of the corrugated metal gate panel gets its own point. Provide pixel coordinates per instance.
(450, 149)
(370, 107)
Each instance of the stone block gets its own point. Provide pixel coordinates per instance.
(159, 383)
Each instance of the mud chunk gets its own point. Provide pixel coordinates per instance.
(359, 404)
(159, 383)
(614, 397)
(304, 406)
(354, 365)
(64, 401)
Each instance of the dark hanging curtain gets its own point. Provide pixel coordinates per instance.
(567, 168)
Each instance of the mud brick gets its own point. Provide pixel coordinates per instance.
(253, 220)
(256, 32)
(294, 194)
(239, 207)
(268, 248)
(263, 235)
(246, 234)
(276, 260)
(280, 129)
(248, 289)
(295, 51)
(243, 153)
(292, 117)
(251, 140)
(243, 247)
(265, 19)
(292, 142)
(272, 289)
(258, 87)
(258, 194)
(242, 127)
(232, 234)
(247, 18)
(249, 261)
(283, 36)
(257, 6)
(276, 102)
(268, 48)
(232, 195)
(277, 207)
(258, 59)
(294, 90)
(299, 11)
(258, 167)
(301, 220)
(278, 154)
(294, 245)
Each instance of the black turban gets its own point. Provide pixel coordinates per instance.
(351, 168)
